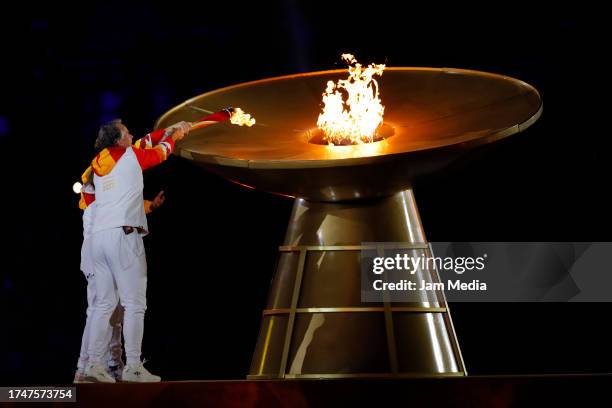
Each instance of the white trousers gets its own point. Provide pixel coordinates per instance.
(114, 350)
(120, 271)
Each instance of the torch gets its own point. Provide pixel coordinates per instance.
(235, 115)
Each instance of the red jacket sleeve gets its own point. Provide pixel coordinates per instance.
(150, 139)
(148, 158)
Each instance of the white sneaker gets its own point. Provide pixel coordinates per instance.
(97, 373)
(138, 373)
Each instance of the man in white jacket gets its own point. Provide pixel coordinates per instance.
(118, 254)
(114, 352)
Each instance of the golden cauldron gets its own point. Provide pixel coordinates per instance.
(315, 324)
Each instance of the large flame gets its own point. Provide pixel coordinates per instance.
(353, 120)
(240, 118)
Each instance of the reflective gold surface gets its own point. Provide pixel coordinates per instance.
(436, 115)
(322, 328)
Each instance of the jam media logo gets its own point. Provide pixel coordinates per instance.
(411, 274)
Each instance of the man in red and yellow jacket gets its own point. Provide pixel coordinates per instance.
(118, 224)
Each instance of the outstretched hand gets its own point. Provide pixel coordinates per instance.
(158, 201)
(179, 130)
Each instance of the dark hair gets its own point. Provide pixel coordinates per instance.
(108, 134)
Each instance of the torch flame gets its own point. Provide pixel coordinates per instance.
(358, 123)
(240, 118)
(350, 58)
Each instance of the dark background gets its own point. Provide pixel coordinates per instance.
(213, 246)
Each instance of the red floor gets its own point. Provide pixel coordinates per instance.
(473, 391)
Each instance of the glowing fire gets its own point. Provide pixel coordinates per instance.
(240, 118)
(363, 115)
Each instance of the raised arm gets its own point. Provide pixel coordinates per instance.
(150, 139)
(151, 157)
